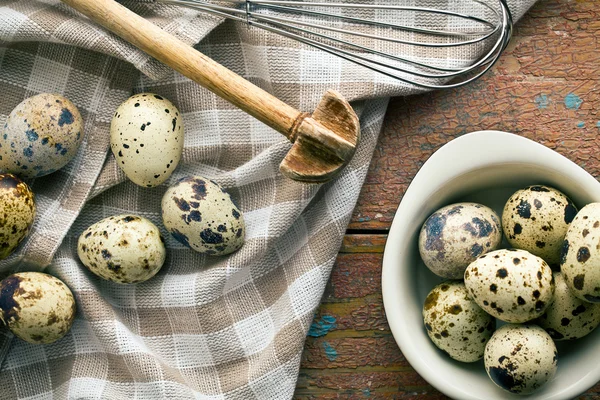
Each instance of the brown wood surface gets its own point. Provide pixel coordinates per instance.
(546, 87)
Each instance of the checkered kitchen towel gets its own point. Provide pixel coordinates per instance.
(205, 327)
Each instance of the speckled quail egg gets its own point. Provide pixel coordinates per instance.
(41, 135)
(520, 358)
(17, 212)
(36, 307)
(122, 248)
(201, 215)
(567, 317)
(146, 138)
(455, 323)
(512, 285)
(580, 256)
(536, 219)
(456, 235)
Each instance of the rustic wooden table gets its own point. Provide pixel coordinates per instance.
(546, 88)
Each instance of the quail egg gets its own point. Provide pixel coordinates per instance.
(201, 215)
(536, 219)
(520, 358)
(41, 135)
(567, 317)
(580, 257)
(512, 285)
(122, 248)
(146, 138)
(17, 212)
(36, 307)
(455, 323)
(456, 235)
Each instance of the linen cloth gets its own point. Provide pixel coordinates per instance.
(205, 327)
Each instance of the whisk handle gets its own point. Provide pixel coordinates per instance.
(191, 63)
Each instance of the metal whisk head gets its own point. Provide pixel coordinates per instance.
(393, 37)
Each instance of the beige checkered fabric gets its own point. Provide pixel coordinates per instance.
(205, 327)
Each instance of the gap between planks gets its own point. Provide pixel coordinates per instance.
(352, 334)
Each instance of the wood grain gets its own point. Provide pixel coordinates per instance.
(545, 87)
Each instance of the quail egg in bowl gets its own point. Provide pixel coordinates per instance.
(486, 168)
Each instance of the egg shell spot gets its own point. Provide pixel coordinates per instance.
(568, 317)
(512, 285)
(123, 248)
(37, 307)
(536, 219)
(17, 213)
(456, 324)
(202, 216)
(520, 358)
(580, 255)
(455, 235)
(147, 141)
(46, 129)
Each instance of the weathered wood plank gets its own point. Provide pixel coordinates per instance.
(353, 318)
(363, 383)
(363, 243)
(355, 275)
(326, 353)
(385, 378)
(367, 394)
(593, 393)
(544, 88)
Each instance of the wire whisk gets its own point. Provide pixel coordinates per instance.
(402, 41)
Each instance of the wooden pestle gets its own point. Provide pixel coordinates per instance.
(324, 142)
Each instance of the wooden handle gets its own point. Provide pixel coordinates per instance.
(191, 63)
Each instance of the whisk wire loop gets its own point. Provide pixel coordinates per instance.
(384, 24)
(248, 16)
(378, 44)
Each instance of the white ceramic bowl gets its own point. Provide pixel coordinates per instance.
(484, 167)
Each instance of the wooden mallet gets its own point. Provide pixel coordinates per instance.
(324, 142)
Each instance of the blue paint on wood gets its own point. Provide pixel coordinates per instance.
(321, 327)
(367, 392)
(542, 101)
(580, 124)
(572, 101)
(330, 352)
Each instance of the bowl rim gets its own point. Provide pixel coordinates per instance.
(466, 162)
